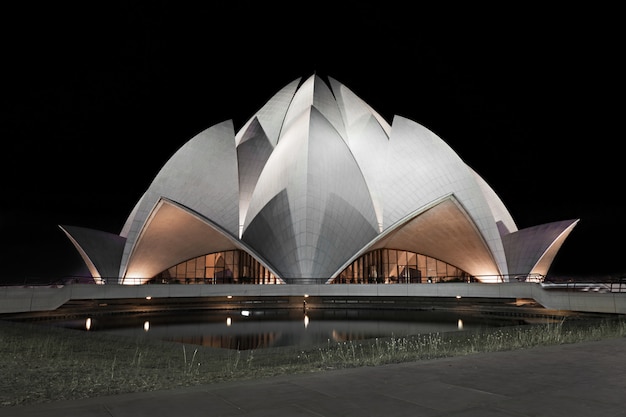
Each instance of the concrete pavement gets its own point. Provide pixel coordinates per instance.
(583, 379)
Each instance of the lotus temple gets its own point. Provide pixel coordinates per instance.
(318, 188)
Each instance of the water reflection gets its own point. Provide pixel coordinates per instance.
(255, 329)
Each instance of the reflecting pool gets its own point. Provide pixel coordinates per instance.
(255, 329)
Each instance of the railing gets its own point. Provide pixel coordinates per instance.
(581, 284)
(45, 281)
(614, 285)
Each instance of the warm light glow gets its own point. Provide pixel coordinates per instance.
(245, 313)
(148, 298)
(229, 296)
(229, 321)
(306, 295)
(489, 279)
(146, 326)
(88, 323)
(130, 280)
(459, 324)
(458, 296)
(306, 321)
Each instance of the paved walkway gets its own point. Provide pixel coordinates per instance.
(584, 379)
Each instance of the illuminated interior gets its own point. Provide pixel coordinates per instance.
(389, 266)
(382, 266)
(228, 267)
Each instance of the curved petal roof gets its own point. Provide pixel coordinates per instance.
(202, 176)
(445, 231)
(101, 251)
(532, 250)
(421, 169)
(314, 197)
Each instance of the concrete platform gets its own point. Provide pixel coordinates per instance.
(15, 300)
(584, 379)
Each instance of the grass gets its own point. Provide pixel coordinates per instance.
(42, 364)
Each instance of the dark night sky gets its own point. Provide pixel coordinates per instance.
(96, 98)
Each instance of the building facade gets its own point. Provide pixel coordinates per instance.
(317, 187)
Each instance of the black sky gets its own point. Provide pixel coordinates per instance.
(96, 98)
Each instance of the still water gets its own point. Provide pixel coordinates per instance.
(255, 329)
